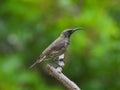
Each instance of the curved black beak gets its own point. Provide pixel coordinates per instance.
(78, 29)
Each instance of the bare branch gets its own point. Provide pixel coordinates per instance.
(62, 78)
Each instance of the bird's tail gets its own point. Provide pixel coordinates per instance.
(33, 64)
(36, 62)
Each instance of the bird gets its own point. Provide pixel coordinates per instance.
(57, 47)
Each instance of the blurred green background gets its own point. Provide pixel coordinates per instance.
(27, 27)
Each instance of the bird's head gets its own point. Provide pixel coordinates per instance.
(68, 32)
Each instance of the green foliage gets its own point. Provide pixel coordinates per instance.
(27, 27)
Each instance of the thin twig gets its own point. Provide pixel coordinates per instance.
(62, 78)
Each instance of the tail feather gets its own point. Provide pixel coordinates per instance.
(33, 64)
(37, 61)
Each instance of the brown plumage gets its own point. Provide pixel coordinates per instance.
(57, 48)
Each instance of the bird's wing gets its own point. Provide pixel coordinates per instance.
(58, 44)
